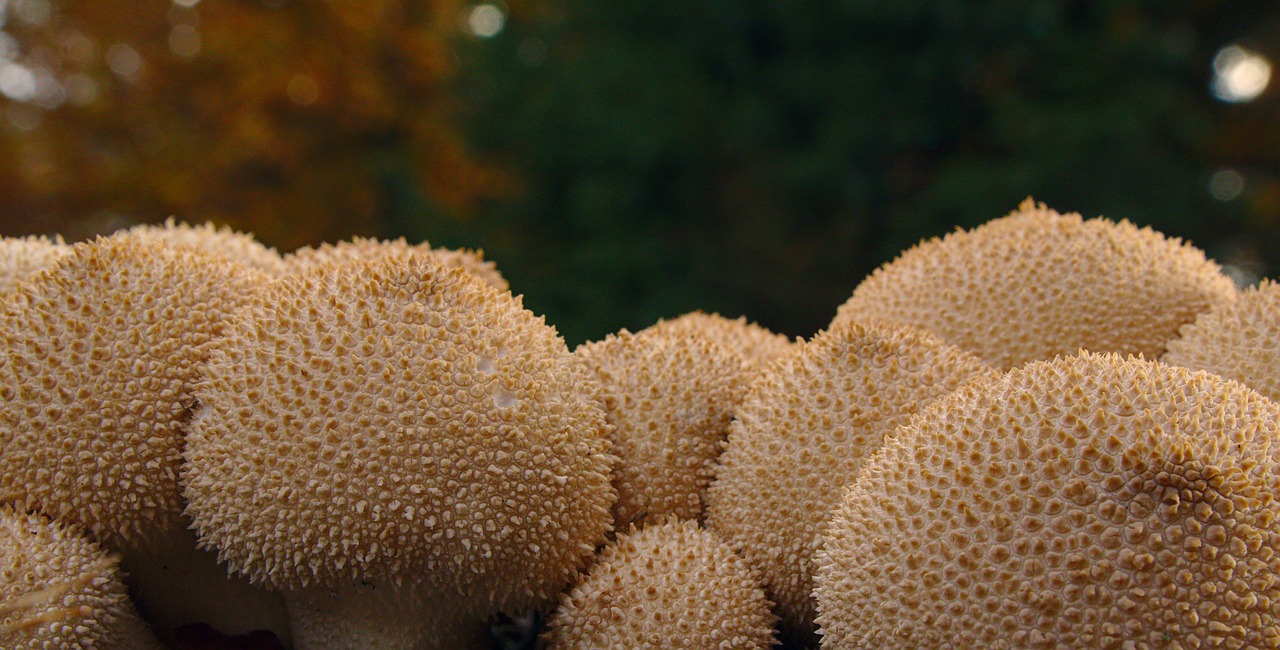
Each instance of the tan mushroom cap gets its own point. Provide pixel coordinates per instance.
(1239, 340)
(101, 354)
(22, 257)
(1088, 502)
(220, 242)
(803, 433)
(361, 248)
(668, 585)
(61, 591)
(757, 344)
(1036, 284)
(397, 420)
(669, 397)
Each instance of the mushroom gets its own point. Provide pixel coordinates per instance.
(222, 243)
(100, 357)
(669, 397)
(360, 248)
(668, 585)
(1237, 340)
(58, 589)
(756, 344)
(398, 430)
(1036, 284)
(1092, 501)
(802, 434)
(23, 257)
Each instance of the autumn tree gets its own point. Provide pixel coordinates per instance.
(300, 120)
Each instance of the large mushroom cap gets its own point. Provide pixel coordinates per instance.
(1084, 502)
(668, 585)
(23, 257)
(99, 357)
(1239, 340)
(669, 396)
(756, 344)
(1036, 284)
(398, 420)
(802, 434)
(60, 590)
(220, 242)
(361, 248)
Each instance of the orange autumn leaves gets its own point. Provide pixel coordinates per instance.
(250, 113)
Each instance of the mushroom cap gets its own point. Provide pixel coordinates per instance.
(361, 248)
(1238, 340)
(668, 585)
(391, 420)
(23, 257)
(755, 343)
(802, 434)
(59, 590)
(1036, 284)
(1091, 501)
(669, 397)
(100, 356)
(221, 242)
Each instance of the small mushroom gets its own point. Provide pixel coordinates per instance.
(360, 248)
(1036, 284)
(1238, 340)
(58, 589)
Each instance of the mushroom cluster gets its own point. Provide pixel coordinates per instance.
(1047, 431)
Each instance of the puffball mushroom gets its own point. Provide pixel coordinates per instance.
(1238, 340)
(100, 357)
(22, 257)
(222, 243)
(802, 434)
(668, 585)
(669, 396)
(61, 591)
(360, 248)
(1036, 284)
(758, 345)
(1088, 502)
(402, 426)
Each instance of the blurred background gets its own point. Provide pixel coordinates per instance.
(622, 161)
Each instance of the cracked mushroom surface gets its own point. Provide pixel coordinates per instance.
(802, 434)
(61, 591)
(669, 396)
(1092, 501)
(1036, 284)
(1239, 341)
(399, 423)
(668, 585)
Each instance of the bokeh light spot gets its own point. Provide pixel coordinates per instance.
(485, 20)
(17, 82)
(124, 61)
(1226, 184)
(1239, 75)
(184, 40)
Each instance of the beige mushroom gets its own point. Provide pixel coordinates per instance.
(1239, 340)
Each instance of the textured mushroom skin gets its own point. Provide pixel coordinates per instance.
(669, 397)
(668, 585)
(61, 591)
(1036, 284)
(99, 358)
(222, 243)
(756, 344)
(398, 420)
(1238, 340)
(22, 257)
(802, 434)
(361, 248)
(1089, 501)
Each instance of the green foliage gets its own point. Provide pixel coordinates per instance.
(760, 158)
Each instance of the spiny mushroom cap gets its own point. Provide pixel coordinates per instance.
(1083, 502)
(1239, 340)
(398, 420)
(223, 243)
(361, 248)
(1036, 284)
(757, 344)
(668, 585)
(100, 355)
(61, 591)
(669, 398)
(803, 432)
(22, 257)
